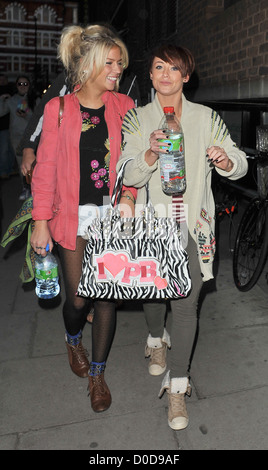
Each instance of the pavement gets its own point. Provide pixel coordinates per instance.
(44, 406)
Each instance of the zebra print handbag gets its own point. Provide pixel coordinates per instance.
(134, 258)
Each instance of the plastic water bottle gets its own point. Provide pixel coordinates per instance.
(46, 276)
(172, 164)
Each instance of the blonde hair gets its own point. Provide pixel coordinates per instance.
(82, 49)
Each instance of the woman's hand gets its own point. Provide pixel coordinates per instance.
(21, 113)
(156, 146)
(40, 237)
(219, 158)
(28, 157)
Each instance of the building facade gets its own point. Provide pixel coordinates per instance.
(229, 40)
(29, 34)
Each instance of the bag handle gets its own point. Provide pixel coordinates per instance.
(117, 191)
(61, 109)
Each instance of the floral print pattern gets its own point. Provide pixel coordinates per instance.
(99, 172)
(89, 122)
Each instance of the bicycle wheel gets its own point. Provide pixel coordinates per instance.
(251, 245)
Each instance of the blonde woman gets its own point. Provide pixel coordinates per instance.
(75, 172)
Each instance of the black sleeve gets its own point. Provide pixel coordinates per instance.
(33, 130)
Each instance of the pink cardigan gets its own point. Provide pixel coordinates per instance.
(56, 177)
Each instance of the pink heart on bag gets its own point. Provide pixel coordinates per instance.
(114, 263)
(160, 282)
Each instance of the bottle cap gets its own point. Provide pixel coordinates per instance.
(169, 109)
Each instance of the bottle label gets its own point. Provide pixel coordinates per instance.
(168, 170)
(49, 274)
(168, 166)
(175, 141)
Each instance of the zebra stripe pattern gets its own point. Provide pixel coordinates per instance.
(135, 258)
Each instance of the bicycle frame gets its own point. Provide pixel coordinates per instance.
(251, 245)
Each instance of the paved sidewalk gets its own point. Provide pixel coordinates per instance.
(43, 406)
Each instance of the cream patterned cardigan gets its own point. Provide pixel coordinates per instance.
(202, 128)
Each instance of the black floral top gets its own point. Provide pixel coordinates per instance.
(94, 157)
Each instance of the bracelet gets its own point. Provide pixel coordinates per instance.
(129, 198)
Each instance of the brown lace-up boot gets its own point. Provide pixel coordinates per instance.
(78, 359)
(98, 389)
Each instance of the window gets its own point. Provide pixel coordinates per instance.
(15, 13)
(46, 40)
(15, 38)
(45, 15)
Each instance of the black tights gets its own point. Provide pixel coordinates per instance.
(75, 308)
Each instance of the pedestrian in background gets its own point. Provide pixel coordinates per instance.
(7, 156)
(20, 107)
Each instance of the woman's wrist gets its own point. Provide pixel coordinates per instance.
(128, 196)
(229, 166)
(40, 223)
(150, 157)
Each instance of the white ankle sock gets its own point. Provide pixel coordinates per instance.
(179, 385)
(154, 342)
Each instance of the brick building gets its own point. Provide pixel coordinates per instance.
(29, 33)
(229, 39)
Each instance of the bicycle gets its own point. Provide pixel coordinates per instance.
(251, 243)
(226, 206)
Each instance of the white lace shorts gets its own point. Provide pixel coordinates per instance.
(86, 214)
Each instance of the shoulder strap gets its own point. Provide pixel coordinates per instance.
(61, 109)
(117, 191)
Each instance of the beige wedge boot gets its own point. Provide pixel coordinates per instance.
(177, 389)
(156, 349)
